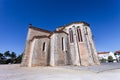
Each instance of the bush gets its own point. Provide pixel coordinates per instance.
(103, 60)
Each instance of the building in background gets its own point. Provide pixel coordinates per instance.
(106, 55)
(103, 55)
(71, 44)
(117, 54)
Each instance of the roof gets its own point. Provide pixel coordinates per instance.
(117, 51)
(60, 32)
(39, 29)
(57, 32)
(62, 27)
(85, 23)
(103, 52)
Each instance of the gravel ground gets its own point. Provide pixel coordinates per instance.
(97, 68)
(103, 72)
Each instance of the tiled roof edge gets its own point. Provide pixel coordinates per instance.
(85, 23)
(39, 29)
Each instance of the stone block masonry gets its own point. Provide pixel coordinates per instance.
(71, 44)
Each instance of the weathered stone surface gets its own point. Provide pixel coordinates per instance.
(55, 48)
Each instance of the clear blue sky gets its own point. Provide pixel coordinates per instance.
(102, 15)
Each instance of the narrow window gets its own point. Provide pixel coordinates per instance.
(62, 44)
(79, 35)
(44, 46)
(71, 35)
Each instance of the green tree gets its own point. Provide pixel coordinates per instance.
(115, 54)
(7, 54)
(19, 58)
(7, 57)
(110, 59)
(1, 55)
(2, 59)
(13, 57)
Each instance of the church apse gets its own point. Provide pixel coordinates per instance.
(71, 44)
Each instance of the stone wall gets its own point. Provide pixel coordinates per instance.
(54, 48)
(40, 53)
(58, 49)
(30, 37)
(82, 53)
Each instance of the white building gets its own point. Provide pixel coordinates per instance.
(117, 54)
(105, 55)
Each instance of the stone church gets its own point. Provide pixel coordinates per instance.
(71, 44)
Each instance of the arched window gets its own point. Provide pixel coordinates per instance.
(79, 35)
(71, 35)
(43, 49)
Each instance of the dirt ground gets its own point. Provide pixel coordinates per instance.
(15, 72)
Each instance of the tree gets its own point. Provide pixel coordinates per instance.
(110, 59)
(2, 59)
(7, 54)
(115, 54)
(19, 58)
(13, 57)
(8, 57)
(1, 56)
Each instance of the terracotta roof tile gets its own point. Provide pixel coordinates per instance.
(117, 51)
(39, 29)
(60, 32)
(57, 32)
(103, 52)
(85, 23)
